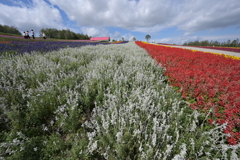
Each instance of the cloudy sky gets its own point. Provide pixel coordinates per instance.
(166, 21)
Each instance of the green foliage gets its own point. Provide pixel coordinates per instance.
(63, 34)
(229, 43)
(54, 147)
(9, 29)
(147, 37)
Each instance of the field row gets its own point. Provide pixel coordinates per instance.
(211, 83)
(232, 49)
(21, 47)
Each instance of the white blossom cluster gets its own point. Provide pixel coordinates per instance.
(115, 92)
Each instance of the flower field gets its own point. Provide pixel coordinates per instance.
(210, 82)
(20, 47)
(101, 102)
(233, 49)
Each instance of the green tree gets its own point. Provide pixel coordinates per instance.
(147, 37)
(9, 29)
(134, 38)
(63, 34)
(228, 43)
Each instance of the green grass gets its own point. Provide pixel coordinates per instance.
(17, 39)
(9, 34)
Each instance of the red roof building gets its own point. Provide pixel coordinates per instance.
(100, 39)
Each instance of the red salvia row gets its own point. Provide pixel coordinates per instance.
(210, 82)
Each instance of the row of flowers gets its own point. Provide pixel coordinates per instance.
(118, 42)
(4, 41)
(210, 82)
(220, 54)
(20, 47)
(233, 49)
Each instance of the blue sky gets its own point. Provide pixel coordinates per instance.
(166, 21)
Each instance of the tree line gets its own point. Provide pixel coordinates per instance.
(229, 43)
(49, 32)
(9, 29)
(63, 34)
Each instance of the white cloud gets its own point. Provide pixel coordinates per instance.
(102, 32)
(35, 16)
(147, 16)
(125, 14)
(95, 32)
(116, 36)
(177, 40)
(152, 16)
(91, 31)
(153, 29)
(128, 37)
(204, 15)
(182, 39)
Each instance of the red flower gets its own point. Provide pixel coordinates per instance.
(210, 121)
(232, 141)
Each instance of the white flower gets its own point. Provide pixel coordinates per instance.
(169, 149)
(22, 148)
(178, 157)
(44, 128)
(234, 156)
(136, 132)
(183, 150)
(140, 147)
(154, 139)
(119, 136)
(92, 147)
(193, 127)
(51, 123)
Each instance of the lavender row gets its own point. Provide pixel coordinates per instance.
(20, 47)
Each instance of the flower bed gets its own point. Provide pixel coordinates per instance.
(232, 49)
(210, 82)
(20, 47)
(4, 41)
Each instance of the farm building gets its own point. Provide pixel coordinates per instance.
(100, 39)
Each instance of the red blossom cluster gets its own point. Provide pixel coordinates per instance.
(210, 82)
